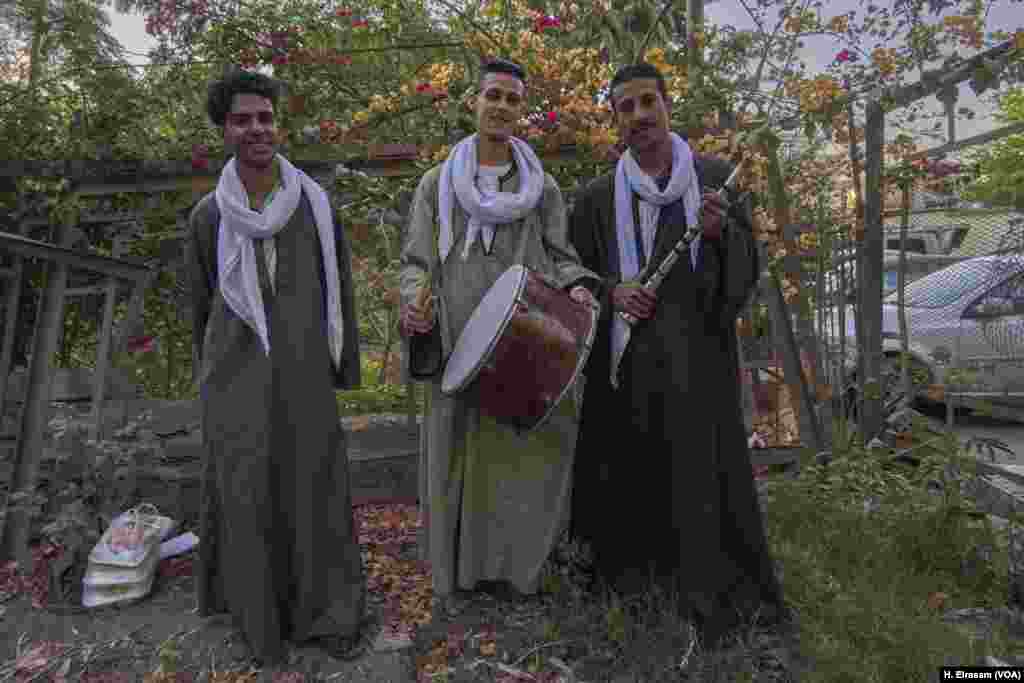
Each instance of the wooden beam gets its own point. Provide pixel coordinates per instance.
(133, 175)
(84, 291)
(88, 218)
(901, 97)
(792, 367)
(69, 258)
(981, 139)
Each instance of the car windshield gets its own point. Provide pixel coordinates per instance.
(947, 286)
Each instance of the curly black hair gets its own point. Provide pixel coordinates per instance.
(502, 66)
(222, 93)
(634, 71)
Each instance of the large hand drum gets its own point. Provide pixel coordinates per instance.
(525, 345)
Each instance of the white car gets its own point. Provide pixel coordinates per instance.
(965, 328)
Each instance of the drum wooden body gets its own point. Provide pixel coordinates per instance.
(524, 346)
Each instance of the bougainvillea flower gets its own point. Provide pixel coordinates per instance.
(944, 167)
(200, 162)
(144, 344)
(546, 22)
(552, 117)
(844, 56)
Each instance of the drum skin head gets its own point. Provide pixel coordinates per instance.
(485, 327)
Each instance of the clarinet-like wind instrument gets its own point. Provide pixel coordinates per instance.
(656, 278)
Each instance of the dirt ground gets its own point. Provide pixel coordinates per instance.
(126, 642)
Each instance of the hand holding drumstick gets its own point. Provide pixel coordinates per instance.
(418, 317)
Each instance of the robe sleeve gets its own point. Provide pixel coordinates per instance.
(569, 271)
(418, 250)
(740, 262)
(583, 223)
(201, 278)
(349, 375)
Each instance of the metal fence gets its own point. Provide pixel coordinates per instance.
(963, 311)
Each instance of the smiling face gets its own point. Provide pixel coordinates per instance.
(499, 106)
(641, 114)
(250, 132)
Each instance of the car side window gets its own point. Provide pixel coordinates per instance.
(1006, 298)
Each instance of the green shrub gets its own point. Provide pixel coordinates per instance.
(373, 398)
(864, 542)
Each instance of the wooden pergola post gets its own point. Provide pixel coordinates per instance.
(12, 297)
(28, 455)
(14, 544)
(99, 380)
(870, 277)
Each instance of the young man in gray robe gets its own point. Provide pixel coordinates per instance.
(494, 502)
(663, 487)
(275, 333)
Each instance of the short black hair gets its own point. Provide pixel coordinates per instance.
(221, 93)
(502, 66)
(633, 72)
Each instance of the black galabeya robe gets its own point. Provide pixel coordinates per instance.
(663, 485)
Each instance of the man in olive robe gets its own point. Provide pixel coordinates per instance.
(275, 334)
(663, 488)
(494, 502)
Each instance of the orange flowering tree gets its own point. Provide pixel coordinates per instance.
(365, 73)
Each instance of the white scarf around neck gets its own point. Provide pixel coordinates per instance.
(485, 209)
(630, 179)
(236, 253)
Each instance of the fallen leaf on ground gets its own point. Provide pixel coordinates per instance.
(937, 600)
(174, 567)
(105, 677)
(359, 423)
(233, 677)
(388, 537)
(184, 677)
(38, 657)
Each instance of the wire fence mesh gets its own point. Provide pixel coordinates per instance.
(963, 310)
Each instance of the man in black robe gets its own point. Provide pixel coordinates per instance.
(275, 333)
(663, 488)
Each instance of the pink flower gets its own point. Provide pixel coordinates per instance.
(142, 344)
(541, 23)
(844, 56)
(944, 167)
(423, 87)
(199, 160)
(552, 117)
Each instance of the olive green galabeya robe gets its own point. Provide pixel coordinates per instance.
(278, 543)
